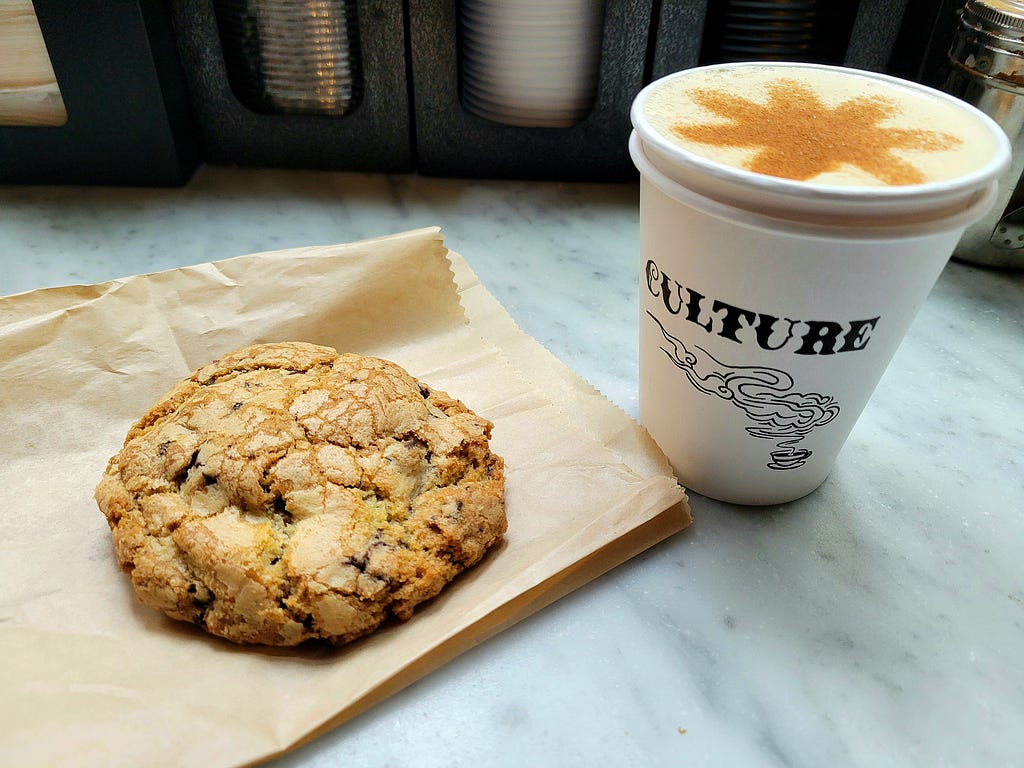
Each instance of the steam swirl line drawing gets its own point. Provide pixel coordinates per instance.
(764, 394)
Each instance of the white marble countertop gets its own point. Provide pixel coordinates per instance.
(877, 622)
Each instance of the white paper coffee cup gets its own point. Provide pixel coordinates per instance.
(762, 337)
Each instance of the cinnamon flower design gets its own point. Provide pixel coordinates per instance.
(797, 136)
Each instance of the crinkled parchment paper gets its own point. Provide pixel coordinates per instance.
(89, 677)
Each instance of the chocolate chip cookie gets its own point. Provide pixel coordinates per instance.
(287, 492)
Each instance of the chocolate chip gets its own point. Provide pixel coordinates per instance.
(281, 508)
(180, 478)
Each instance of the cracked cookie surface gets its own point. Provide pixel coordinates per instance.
(287, 492)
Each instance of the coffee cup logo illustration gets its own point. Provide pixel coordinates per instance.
(765, 395)
(769, 396)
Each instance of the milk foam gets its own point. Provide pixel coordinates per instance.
(675, 103)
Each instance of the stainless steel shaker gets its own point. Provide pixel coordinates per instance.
(987, 71)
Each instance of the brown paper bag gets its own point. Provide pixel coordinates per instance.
(90, 677)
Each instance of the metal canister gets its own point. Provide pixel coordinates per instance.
(987, 71)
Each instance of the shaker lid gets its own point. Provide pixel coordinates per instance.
(1008, 14)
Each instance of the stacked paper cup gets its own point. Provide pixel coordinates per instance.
(770, 29)
(291, 56)
(530, 63)
(778, 30)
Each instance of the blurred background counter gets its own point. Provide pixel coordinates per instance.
(144, 91)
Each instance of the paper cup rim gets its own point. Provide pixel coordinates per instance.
(879, 230)
(821, 196)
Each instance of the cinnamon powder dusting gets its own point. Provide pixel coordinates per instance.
(797, 136)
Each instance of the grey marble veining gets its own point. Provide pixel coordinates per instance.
(877, 622)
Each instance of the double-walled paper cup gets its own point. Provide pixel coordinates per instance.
(762, 337)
